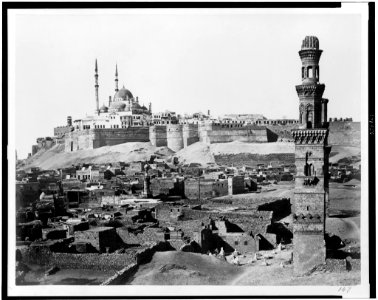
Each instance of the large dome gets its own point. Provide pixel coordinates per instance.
(124, 94)
(118, 106)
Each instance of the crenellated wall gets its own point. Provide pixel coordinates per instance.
(344, 133)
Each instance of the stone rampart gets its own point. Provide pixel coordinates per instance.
(344, 133)
(224, 133)
(158, 135)
(190, 134)
(175, 139)
(95, 138)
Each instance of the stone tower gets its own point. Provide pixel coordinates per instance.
(311, 160)
(96, 88)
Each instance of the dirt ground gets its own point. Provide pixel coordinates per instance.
(179, 268)
(182, 268)
(65, 276)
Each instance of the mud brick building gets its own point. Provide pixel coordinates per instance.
(311, 159)
(99, 237)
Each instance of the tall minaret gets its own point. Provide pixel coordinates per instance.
(116, 79)
(311, 160)
(96, 88)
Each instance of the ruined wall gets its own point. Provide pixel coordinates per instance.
(175, 139)
(158, 135)
(242, 242)
(190, 134)
(253, 221)
(94, 261)
(344, 133)
(205, 189)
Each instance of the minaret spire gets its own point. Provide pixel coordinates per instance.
(96, 87)
(116, 79)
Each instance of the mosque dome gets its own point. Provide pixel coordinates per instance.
(103, 109)
(118, 106)
(124, 94)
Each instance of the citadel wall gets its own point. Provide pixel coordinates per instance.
(95, 138)
(177, 136)
(158, 135)
(190, 134)
(224, 133)
(175, 139)
(345, 133)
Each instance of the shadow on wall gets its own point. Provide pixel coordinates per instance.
(281, 208)
(272, 136)
(264, 244)
(283, 234)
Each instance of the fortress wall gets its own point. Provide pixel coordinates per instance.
(110, 137)
(344, 133)
(190, 134)
(158, 135)
(95, 138)
(229, 133)
(79, 140)
(280, 132)
(175, 139)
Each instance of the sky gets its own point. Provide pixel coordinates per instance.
(187, 61)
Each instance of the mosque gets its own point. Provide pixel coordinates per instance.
(123, 110)
(123, 120)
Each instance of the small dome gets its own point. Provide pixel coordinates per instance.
(310, 42)
(103, 109)
(124, 94)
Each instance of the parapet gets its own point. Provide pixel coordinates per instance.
(310, 42)
(341, 119)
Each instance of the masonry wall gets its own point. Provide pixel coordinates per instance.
(224, 133)
(345, 133)
(205, 189)
(175, 140)
(110, 137)
(95, 138)
(308, 251)
(158, 135)
(190, 134)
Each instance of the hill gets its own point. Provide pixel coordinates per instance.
(55, 157)
(236, 153)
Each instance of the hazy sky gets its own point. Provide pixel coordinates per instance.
(184, 62)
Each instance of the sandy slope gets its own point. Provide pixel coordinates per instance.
(204, 154)
(196, 153)
(128, 152)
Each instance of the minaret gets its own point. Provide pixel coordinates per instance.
(116, 79)
(311, 160)
(96, 87)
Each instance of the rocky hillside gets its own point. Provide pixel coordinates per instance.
(56, 157)
(236, 153)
